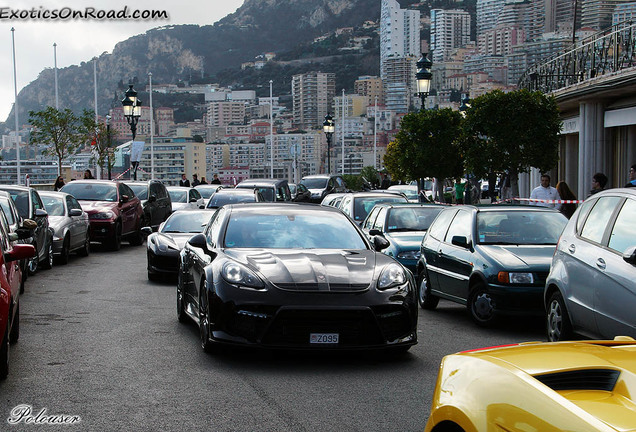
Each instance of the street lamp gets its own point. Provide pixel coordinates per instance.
(132, 112)
(465, 104)
(328, 127)
(423, 77)
(108, 144)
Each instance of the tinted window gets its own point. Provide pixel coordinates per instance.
(379, 221)
(4, 204)
(125, 190)
(195, 194)
(440, 225)
(412, 218)
(92, 191)
(515, 227)
(315, 183)
(624, 232)
(461, 226)
(72, 203)
(140, 190)
(187, 222)
(596, 222)
(368, 222)
(37, 202)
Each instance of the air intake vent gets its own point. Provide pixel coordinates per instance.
(588, 379)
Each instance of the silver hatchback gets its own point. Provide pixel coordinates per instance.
(591, 288)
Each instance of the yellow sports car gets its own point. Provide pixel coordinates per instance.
(544, 387)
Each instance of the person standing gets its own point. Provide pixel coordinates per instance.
(215, 179)
(88, 175)
(459, 191)
(184, 181)
(566, 193)
(599, 180)
(203, 181)
(632, 177)
(195, 180)
(545, 192)
(59, 183)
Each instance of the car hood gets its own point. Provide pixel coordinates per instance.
(316, 191)
(522, 256)
(97, 206)
(314, 270)
(56, 222)
(582, 366)
(406, 240)
(173, 240)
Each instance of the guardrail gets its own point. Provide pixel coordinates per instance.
(604, 53)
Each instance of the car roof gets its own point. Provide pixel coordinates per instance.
(242, 191)
(15, 187)
(509, 207)
(260, 182)
(320, 176)
(178, 188)
(114, 181)
(273, 207)
(54, 193)
(411, 204)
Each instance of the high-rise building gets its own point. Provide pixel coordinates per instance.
(222, 113)
(312, 95)
(624, 12)
(500, 40)
(399, 33)
(597, 14)
(371, 87)
(449, 29)
(487, 14)
(400, 84)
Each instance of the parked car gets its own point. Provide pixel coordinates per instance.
(332, 200)
(590, 289)
(299, 192)
(321, 185)
(234, 196)
(357, 205)
(207, 190)
(70, 225)
(15, 225)
(165, 245)
(29, 204)
(184, 198)
(411, 192)
(534, 386)
(404, 226)
(155, 201)
(294, 276)
(10, 281)
(494, 259)
(272, 190)
(114, 212)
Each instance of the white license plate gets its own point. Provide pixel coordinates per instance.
(324, 338)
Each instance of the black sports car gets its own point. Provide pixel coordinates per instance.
(287, 275)
(165, 244)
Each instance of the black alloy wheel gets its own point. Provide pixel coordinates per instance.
(204, 321)
(181, 313)
(86, 248)
(138, 237)
(4, 355)
(481, 306)
(424, 296)
(15, 328)
(66, 252)
(115, 242)
(47, 264)
(558, 325)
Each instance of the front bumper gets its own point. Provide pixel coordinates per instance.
(517, 300)
(101, 230)
(163, 262)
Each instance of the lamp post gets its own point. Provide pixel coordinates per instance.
(132, 112)
(108, 144)
(328, 127)
(423, 77)
(465, 104)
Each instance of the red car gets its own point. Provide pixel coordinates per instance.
(10, 279)
(113, 209)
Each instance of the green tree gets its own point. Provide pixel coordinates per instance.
(61, 130)
(511, 131)
(427, 145)
(371, 175)
(101, 139)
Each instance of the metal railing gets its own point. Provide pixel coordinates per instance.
(603, 53)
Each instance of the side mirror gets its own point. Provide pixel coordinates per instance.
(630, 255)
(40, 213)
(460, 241)
(20, 252)
(375, 232)
(198, 241)
(146, 230)
(193, 200)
(380, 243)
(75, 212)
(152, 198)
(124, 198)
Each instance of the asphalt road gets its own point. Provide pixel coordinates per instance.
(100, 342)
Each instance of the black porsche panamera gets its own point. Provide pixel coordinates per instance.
(294, 276)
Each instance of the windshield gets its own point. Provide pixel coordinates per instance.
(21, 200)
(4, 204)
(207, 192)
(219, 199)
(187, 222)
(411, 193)
(315, 183)
(411, 218)
(515, 227)
(92, 191)
(54, 205)
(363, 205)
(178, 196)
(292, 230)
(140, 190)
(292, 188)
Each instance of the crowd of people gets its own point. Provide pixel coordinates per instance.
(196, 181)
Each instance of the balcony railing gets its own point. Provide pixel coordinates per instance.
(603, 53)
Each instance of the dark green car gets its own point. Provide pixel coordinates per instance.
(494, 259)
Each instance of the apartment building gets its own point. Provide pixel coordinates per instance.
(312, 95)
(399, 34)
(371, 87)
(223, 113)
(450, 29)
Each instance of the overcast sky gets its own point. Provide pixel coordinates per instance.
(82, 39)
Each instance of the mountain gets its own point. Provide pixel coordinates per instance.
(172, 53)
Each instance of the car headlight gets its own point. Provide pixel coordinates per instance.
(162, 247)
(237, 274)
(103, 215)
(410, 255)
(515, 278)
(391, 276)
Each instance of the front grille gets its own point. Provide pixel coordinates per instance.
(394, 321)
(322, 287)
(166, 262)
(356, 327)
(589, 379)
(541, 278)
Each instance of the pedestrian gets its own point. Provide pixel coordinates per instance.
(459, 191)
(184, 181)
(203, 181)
(545, 192)
(215, 179)
(504, 186)
(195, 180)
(566, 193)
(632, 177)
(59, 183)
(88, 174)
(599, 180)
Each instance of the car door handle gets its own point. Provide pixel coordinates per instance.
(600, 263)
(572, 248)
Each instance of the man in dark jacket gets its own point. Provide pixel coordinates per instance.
(184, 181)
(632, 177)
